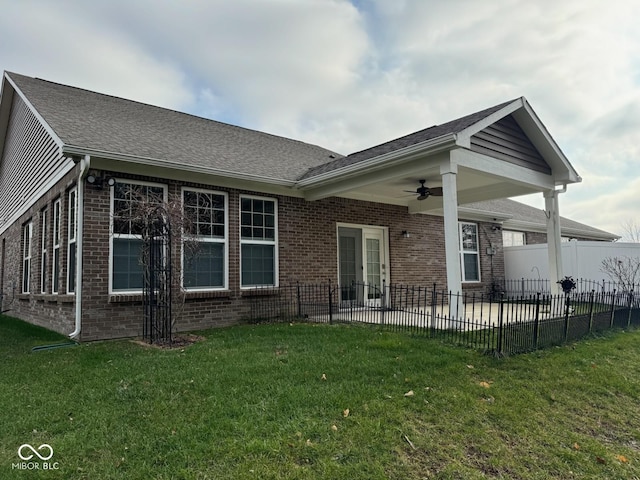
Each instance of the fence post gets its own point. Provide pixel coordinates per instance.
(330, 304)
(383, 302)
(591, 304)
(434, 309)
(298, 299)
(500, 327)
(613, 304)
(630, 305)
(536, 329)
(566, 316)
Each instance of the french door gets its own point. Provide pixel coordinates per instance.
(362, 263)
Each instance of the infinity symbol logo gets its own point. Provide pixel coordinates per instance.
(35, 452)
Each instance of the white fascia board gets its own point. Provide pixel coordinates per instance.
(464, 137)
(524, 226)
(35, 112)
(528, 119)
(385, 160)
(499, 168)
(487, 215)
(166, 164)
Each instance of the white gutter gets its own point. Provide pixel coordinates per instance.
(156, 162)
(85, 162)
(384, 160)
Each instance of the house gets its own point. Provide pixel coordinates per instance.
(523, 224)
(267, 210)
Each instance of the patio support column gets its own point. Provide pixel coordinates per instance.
(451, 241)
(554, 241)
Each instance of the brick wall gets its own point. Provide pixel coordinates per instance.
(53, 311)
(307, 233)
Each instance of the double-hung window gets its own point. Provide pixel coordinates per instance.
(204, 248)
(44, 234)
(469, 257)
(129, 202)
(55, 265)
(72, 219)
(258, 242)
(27, 235)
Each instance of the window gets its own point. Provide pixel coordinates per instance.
(72, 219)
(204, 261)
(44, 236)
(512, 239)
(258, 237)
(469, 258)
(27, 234)
(127, 226)
(55, 266)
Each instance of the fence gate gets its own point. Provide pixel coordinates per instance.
(157, 274)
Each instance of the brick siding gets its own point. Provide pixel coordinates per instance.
(307, 250)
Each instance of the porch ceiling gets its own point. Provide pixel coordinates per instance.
(479, 178)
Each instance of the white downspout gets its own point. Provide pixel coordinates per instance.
(85, 162)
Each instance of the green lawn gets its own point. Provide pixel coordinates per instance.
(251, 402)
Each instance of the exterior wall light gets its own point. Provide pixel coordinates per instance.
(97, 181)
(406, 234)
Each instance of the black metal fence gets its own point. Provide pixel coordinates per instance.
(506, 326)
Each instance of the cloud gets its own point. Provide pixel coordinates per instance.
(349, 75)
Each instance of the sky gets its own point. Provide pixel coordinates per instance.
(350, 74)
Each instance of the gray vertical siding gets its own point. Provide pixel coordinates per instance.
(506, 140)
(30, 158)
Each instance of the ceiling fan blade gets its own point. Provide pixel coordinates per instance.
(423, 197)
(436, 191)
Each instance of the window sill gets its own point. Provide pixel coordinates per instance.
(48, 297)
(198, 294)
(125, 297)
(260, 291)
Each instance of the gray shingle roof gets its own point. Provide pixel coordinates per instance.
(430, 133)
(105, 123)
(526, 213)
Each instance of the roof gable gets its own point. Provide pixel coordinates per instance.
(506, 140)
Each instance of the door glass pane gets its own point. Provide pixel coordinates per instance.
(348, 267)
(373, 267)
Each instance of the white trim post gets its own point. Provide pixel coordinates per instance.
(451, 241)
(554, 239)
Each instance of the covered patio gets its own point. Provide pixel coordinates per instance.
(500, 152)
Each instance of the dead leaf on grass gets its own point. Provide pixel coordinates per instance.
(601, 460)
(409, 393)
(334, 428)
(345, 413)
(485, 384)
(324, 376)
(470, 367)
(576, 446)
(622, 458)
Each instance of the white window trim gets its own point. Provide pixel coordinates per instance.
(72, 233)
(274, 242)
(224, 241)
(463, 252)
(44, 253)
(27, 239)
(113, 235)
(55, 266)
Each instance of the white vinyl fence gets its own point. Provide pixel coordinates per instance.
(579, 259)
